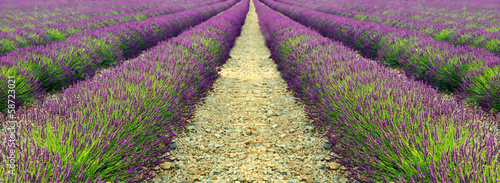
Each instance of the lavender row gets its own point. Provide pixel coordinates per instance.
(472, 73)
(480, 13)
(51, 8)
(35, 20)
(479, 19)
(488, 23)
(116, 126)
(56, 11)
(42, 69)
(31, 5)
(382, 126)
(453, 33)
(48, 33)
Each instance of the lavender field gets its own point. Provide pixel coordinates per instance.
(250, 91)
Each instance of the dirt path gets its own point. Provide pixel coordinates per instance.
(250, 128)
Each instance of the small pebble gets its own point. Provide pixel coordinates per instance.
(327, 145)
(334, 166)
(173, 145)
(166, 166)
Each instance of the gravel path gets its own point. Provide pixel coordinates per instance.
(249, 128)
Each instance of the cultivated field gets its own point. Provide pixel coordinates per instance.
(250, 91)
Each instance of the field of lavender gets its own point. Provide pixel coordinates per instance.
(387, 127)
(40, 69)
(456, 31)
(97, 91)
(83, 134)
(470, 73)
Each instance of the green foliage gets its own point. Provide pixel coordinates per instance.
(444, 34)
(56, 34)
(6, 45)
(23, 89)
(140, 17)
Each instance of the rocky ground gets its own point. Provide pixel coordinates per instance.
(250, 128)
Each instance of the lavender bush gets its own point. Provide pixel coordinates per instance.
(384, 126)
(116, 126)
(55, 66)
(472, 73)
